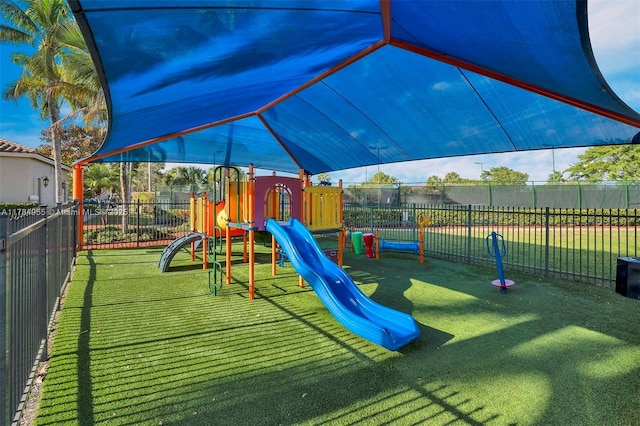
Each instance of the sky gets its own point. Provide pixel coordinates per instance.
(614, 27)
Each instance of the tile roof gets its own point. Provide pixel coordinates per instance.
(8, 146)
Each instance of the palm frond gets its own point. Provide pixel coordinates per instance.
(22, 24)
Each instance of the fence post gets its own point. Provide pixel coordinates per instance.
(546, 241)
(138, 224)
(579, 196)
(4, 399)
(468, 232)
(371, 218)
(43, 285)
(626, 195)
(414, 221)
(75, 209)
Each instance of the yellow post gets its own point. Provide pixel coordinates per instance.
(200, 215)
(377, 244)
(192, 212)
(228, 252)
(203, 222)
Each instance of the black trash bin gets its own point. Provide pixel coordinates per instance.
(628, 277)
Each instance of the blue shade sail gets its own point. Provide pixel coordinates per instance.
(331, 85)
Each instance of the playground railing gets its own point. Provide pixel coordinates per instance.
(37, 252)
(581, 245)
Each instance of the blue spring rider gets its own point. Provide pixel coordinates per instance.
(498, 252)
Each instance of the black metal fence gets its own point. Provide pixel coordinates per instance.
(37, 252)
(577, 244)
(134, 224)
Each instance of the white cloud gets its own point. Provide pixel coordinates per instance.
(614, 29)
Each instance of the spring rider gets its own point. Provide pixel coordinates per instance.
(498, 252)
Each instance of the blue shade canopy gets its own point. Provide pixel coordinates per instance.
(331, 85)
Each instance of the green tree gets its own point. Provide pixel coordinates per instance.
(235, 174)
(41, 26)
(555, 178)
(77, 142)
(453, 177)
(504, 176)
(140, 176)
(323, 177)
(381, 178)
(100, 176)
(606, 163)
(434, 182)
(191, 176)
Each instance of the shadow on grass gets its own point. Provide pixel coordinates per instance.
(85, 388)
(173, 354)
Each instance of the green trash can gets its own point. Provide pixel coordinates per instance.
(356, 239)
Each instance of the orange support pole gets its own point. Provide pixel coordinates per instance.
(205, 230)
(308, 212)
(228, 252)
(303, 216)
(78, 195)
(251, 199)
(377, 244)
(272, 203)
(227, 186)
(205, 262)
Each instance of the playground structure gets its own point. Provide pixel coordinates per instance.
(291, 210)
(242, 210)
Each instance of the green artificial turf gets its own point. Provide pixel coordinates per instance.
(137, 346)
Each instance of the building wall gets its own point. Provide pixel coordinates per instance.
(22, 177)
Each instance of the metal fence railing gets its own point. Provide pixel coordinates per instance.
(136, 224)
(37, 252)
(577, 244)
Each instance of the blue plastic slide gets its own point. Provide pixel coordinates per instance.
(347, 303)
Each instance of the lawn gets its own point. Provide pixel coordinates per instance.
(136, 346)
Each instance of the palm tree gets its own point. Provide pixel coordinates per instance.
(48, 28)
(192, 176)
(100, 176)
